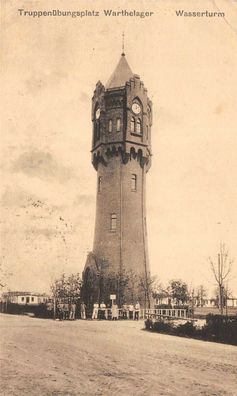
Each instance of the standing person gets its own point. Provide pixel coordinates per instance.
(131, 311)
(58, 310)
(115, 312)
(102, 309)
(66, 311)
(106, 312)
(61, 311)
(95, 311)
(137, 311)
(125, 312)
(70, 310)
(63, 305)
(83, 310)
(73, 311)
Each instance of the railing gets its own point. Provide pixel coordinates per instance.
(172, 313)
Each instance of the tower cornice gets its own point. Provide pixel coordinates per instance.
(127, 151)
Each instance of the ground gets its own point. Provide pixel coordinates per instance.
(46, 357)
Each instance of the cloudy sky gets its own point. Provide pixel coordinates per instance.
(50, 68)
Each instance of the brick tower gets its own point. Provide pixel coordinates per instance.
(121, 156)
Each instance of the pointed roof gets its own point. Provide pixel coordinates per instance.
(121, 74)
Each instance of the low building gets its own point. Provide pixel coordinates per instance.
(232, 302)
(209, 302)
(24, 297)
(164, 298)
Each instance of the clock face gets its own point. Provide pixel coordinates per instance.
(136, 108)
(97, 113)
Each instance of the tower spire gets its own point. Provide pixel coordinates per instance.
(123, 53)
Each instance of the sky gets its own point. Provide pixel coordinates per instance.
(50, 66)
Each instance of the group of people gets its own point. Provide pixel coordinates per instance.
(71, 311)
(126, 312)
(66, 311)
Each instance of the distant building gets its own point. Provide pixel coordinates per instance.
(232, 302)
(208, 302)
(24, 297)
(164, 298)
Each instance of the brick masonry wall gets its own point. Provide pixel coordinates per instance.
(126, 245)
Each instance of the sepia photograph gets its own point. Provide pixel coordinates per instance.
(118, 270)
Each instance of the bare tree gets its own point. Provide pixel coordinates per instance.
(157, 286)
(147, 285)
(221, 270)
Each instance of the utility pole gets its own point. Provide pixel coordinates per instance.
(226, 301)
(220, 285)
(54, 307)
(193, 304)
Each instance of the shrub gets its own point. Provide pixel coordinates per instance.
(186, 329)
(148, 324)
(163, 327)
(220, 328)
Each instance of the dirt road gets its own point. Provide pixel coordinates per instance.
(45, 357)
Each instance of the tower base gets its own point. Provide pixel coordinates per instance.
(99, 283)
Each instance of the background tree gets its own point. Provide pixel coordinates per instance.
(149, 286)
(128, 287)
(109, 285)
(201, 294)
(221, 269)
(179, 291)
(161, 293)
(157, 287)
(67, 286)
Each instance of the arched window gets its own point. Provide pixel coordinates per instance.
(134, 182)
(110, 126)
(139, 126)
(113, 222)
(132, 126)
(147, 132)
(118, 124)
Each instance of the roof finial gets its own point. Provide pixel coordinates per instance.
(123, 54)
